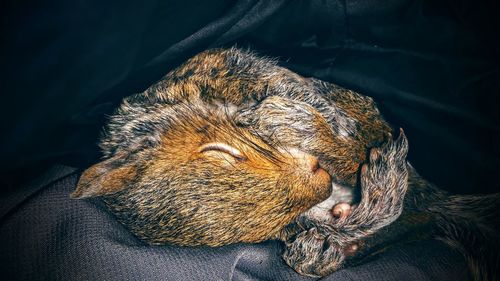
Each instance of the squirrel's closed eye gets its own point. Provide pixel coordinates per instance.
(224, 148)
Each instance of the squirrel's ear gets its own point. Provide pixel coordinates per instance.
(106, 177)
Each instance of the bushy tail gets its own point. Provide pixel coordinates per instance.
(470, 224)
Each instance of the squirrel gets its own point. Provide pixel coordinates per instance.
(230, 147)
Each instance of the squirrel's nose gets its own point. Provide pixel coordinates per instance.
(307, 161)
(314, 163)
(316, 168)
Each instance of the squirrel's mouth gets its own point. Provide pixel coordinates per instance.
(322, 211)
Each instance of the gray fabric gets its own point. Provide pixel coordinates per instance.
(48, 236)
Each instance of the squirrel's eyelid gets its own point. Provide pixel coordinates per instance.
(222, 147)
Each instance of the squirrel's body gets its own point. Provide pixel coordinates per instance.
(232, 148)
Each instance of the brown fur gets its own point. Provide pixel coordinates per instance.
(268, 185)
(166, 189)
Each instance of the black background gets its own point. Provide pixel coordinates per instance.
(432, 66)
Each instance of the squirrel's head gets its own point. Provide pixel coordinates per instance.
(201, 179)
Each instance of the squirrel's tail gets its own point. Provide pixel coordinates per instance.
(470, 224)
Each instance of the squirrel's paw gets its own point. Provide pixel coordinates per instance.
(341, 211)
(384, 181)
(314, 254)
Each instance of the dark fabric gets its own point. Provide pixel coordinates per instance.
(52, 237)
(66, 64)
(432, 66)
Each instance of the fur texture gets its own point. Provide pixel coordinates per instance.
(230, 147)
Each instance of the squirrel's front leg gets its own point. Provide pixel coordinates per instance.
(325, 246)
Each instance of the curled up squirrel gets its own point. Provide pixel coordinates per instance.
(230, 147)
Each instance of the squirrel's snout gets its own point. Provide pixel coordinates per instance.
(309, 163)
(320, 172)
(314, 164)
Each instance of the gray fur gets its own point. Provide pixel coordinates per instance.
(383, 185)
(288, 111)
